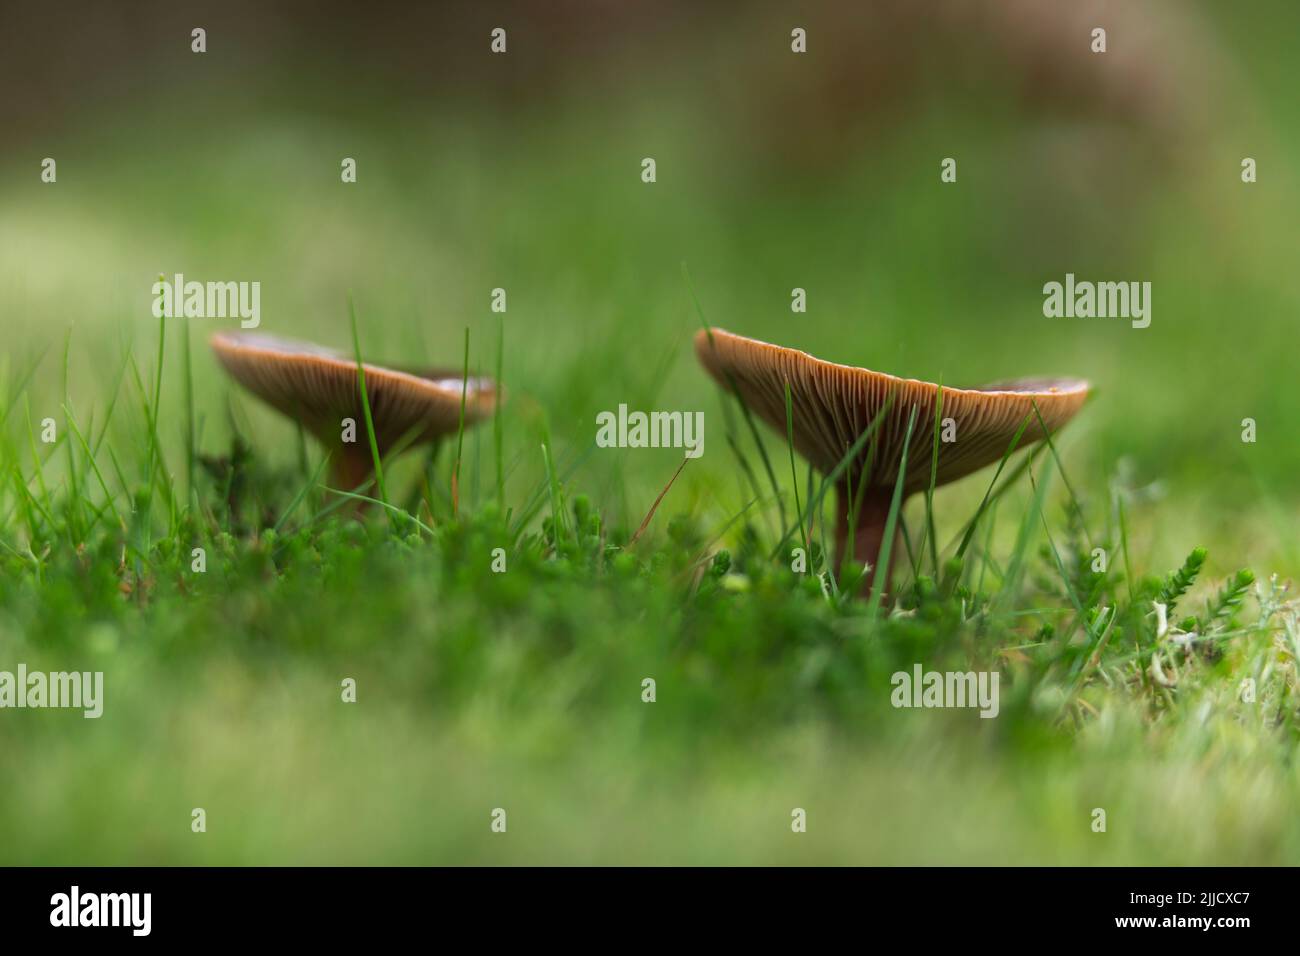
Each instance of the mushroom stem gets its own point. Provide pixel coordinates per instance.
(868, 533)
(351, 470)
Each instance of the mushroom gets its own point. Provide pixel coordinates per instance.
(318, 388)
(832, 405)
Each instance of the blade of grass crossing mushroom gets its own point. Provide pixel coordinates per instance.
(886, 544)
(365, 403)
(855, 502)
(828, 481)
(929, 532)
(855, 508)
(794, 474)
(808, 495)
(460, 433)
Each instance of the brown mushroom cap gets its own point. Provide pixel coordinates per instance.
(832, 405)
(318, 387)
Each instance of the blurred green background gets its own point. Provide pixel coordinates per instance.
(774, 171)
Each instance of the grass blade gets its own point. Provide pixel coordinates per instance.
(365, 404)
(886, 545)
(794, 475)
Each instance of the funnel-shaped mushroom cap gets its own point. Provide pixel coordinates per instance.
(833, 404)
(318, 387)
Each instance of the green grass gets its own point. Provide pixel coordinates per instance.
(523, 689)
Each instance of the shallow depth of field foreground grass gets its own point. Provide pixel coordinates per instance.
(523, 690)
